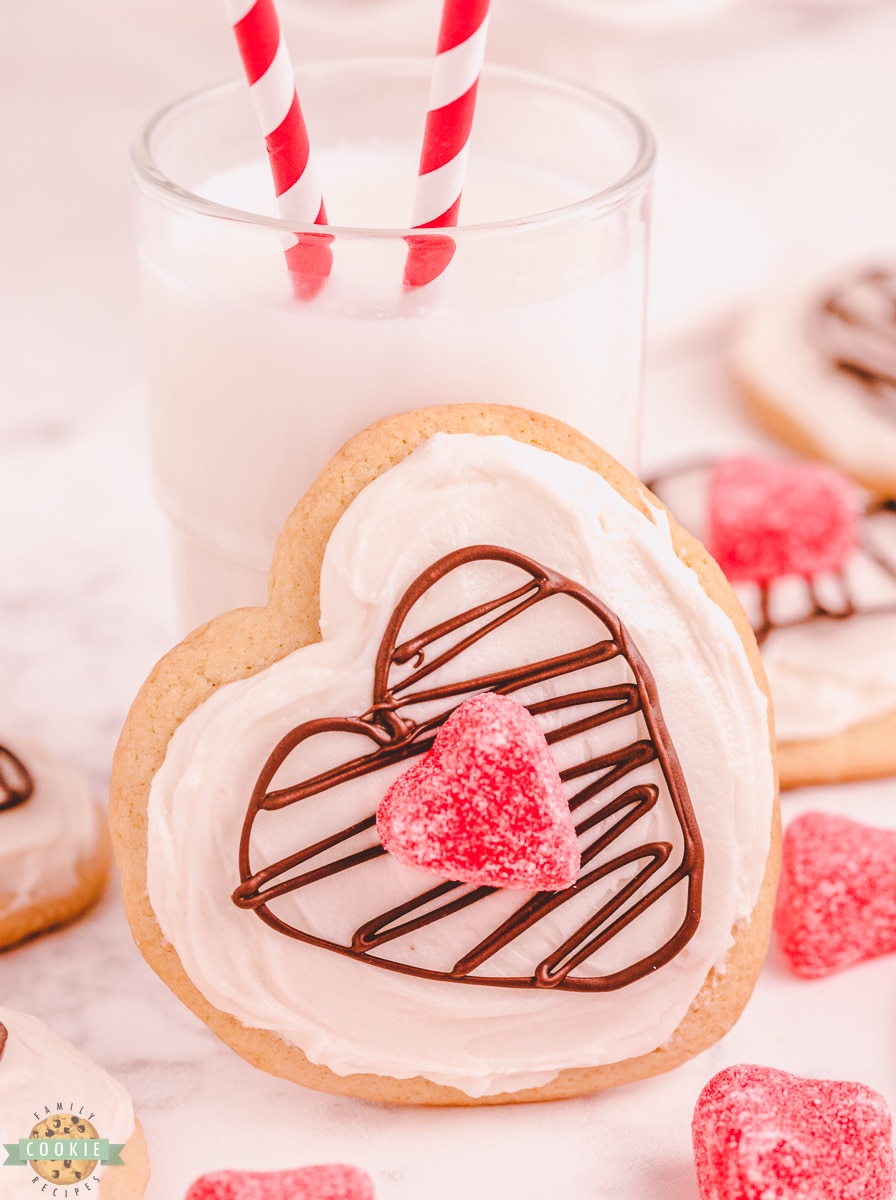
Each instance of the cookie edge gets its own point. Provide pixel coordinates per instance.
(51, 909)
(128, 1183)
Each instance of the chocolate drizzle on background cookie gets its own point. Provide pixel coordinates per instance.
(832, 599)
(16, 784)
(407, 709)
(855, 329)
(848, 604)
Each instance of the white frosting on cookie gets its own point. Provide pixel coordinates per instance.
(43, 840)
(456, 491)
(826, 681)
(774, 356)
(40, 1070)
(826, 676)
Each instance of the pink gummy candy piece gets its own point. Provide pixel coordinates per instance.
(836, 900)
(762, 1134)
(326, 1182)
(769, 518)
(485, 805)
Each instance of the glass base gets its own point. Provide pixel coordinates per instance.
(207, 582)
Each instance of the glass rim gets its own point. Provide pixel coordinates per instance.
(605, 199)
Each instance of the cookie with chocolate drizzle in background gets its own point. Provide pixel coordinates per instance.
(443, 554)
(812, 558)
(817, 367)
(54, 843)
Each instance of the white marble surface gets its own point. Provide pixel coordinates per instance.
(775, 127)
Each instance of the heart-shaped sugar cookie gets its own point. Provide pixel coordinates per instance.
(444, 555)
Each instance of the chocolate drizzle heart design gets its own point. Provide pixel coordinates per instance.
(16, 784)
(855, 329)
(408, 706)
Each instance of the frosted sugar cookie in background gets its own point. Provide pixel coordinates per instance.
(54, 845)
(247, 779)
(817, 366)
(813, 559)
(49, 1091)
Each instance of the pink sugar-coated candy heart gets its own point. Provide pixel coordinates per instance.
(331, 1181)
(769, 518)
(836, 901)
(485, 805)
(762, 1134)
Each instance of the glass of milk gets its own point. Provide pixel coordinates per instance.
(251, 390)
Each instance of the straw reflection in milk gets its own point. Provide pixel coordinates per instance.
(251, 391)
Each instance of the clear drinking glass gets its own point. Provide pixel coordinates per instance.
(251, 390)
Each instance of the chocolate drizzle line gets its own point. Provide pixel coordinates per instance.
(815, 609)
(16, 784)
(4, 1034)
(652, 870)
(855, 329)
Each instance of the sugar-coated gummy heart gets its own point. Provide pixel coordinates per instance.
(769, 518)
(763, 1134)
(836, 901)
(485, 805)
(331, 1181)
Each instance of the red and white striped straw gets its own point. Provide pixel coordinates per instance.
(273, 89)
(449, 119)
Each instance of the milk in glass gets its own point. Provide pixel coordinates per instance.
(251, 390)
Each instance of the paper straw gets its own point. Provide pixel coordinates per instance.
(449, 119)
(272, 86)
